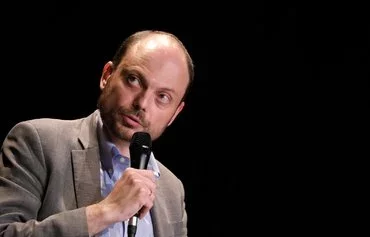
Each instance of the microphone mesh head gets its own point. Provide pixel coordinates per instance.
(141, 139)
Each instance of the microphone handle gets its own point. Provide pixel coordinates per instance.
(140, 150)
(132, 226)
(132, 223)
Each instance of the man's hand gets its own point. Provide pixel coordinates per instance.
(133, 193)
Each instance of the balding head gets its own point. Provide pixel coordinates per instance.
(154, 40)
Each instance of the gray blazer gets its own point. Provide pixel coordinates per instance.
(49, 173)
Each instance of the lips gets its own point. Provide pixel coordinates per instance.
(131, 120)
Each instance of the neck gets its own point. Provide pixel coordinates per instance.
(122, 145)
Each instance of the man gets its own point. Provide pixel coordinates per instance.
(73, 178)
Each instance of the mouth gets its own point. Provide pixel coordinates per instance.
(131, 121)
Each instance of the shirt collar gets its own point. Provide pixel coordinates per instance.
(108, 150)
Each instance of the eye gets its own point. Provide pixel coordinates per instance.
(133, 80)
(164, 98)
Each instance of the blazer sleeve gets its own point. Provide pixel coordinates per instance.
(23, 179)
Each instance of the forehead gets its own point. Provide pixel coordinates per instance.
(155, 53)
(159, 58)
(159, 48)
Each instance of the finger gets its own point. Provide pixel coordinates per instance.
(148, 205)
(143, 211)
(150, 174)
(149, 182)
(142, 178)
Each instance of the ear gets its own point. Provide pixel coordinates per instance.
(107, 72)
(178, 110)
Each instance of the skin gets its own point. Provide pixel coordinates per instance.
(143, 93)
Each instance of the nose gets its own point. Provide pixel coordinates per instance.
(141, 101)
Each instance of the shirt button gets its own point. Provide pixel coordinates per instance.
(110, 171)
(122, 160)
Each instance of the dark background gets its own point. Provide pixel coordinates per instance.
(273, 84)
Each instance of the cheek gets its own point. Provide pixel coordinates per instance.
(161, 120)
(119, 97)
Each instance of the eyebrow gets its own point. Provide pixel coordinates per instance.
(144, 81)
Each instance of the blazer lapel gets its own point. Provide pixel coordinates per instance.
(87, 176)
(159, 214)
(86, 163)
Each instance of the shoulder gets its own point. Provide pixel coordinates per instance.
(44, 125)
(38, 132)
(48, 130)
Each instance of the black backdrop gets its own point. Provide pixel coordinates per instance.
(270, 80)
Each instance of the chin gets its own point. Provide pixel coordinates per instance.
(123, 133)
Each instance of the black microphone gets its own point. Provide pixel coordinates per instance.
(140, 150)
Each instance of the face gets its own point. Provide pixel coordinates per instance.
(144, 92)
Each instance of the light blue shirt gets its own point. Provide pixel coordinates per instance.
(112, 166)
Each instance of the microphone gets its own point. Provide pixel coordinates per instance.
(140, 149)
